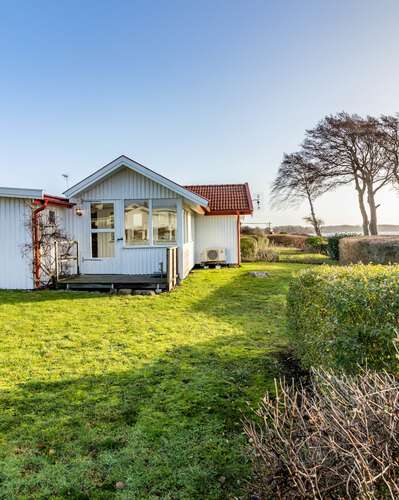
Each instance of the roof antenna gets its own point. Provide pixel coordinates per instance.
(66, 177)
(257, 200)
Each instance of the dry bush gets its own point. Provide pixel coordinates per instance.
(369, 249)
(288, 240)
(336, 438)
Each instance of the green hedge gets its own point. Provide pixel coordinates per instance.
(317, 244)
(333, 244)
(340, 317)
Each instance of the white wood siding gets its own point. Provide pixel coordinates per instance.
(216, 231)
(188, 257)
(122, 185)
(126, 184)
(188, 247)
(130, 261)
(15, 269)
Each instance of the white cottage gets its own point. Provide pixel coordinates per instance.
(131, 226)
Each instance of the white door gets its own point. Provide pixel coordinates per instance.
(104, 244)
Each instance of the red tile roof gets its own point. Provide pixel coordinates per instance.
(225, 198)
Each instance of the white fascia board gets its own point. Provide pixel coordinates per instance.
(10, 192)
(124, 161)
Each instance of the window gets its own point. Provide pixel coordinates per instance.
(51, 217)
(136, 223)
(102, 230)
(164, 222)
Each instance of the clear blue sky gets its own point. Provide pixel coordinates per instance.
(202, 92)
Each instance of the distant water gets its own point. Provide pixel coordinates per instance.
(381, 233)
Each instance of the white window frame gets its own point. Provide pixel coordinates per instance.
(150, 238)
(171, 202)
(167, 203)
(102, 230)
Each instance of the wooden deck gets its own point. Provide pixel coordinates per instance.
(113, 281)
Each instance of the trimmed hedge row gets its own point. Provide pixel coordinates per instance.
(288, 240)
(333, 243)
(342, 317)
(369, 249)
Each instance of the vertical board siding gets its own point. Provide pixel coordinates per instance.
(122, 185)
(126, 184)
(130, 261)
(15, 268)
(188, 258)
(217, 231)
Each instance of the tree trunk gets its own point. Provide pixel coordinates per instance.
(313, 216)
(360, 195)
(373, 210)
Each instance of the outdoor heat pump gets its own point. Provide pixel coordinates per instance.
(213, 255)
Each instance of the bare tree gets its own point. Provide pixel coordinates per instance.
(309, 220)
(389, 128)
(351, 149)
(53, 243)
(298, 179)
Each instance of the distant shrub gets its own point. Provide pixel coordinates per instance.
(255, 247)
(253, 231)
(288, 240)
(338, 437)
(262, 240)
(249, 248)
(267, 255)
(316, 244)
(369, 249)
(333, 244)
(339, 317)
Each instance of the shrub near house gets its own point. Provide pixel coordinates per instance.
(340, 317)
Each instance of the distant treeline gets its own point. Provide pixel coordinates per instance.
(343, 228)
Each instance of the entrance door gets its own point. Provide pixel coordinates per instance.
(102, 248)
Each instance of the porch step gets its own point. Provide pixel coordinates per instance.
(112, 281)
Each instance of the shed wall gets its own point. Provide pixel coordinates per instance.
(15, 268)
(217, 231)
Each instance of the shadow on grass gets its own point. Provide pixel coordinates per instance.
(253, 303)
(171, 429)
(35, 296)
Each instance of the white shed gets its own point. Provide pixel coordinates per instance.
(15, 213)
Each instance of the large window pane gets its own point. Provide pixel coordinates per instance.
(164, 224)
(102, 216)
(136, 223)
(102, 244)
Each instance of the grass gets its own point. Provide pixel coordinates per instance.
(145, 391)
(294, 255)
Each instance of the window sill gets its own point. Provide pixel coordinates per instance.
(160, 245)
(96, 259)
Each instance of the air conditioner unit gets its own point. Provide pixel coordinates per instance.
(213, 255)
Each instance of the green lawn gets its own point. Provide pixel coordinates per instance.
(147, 391)
(294, 255)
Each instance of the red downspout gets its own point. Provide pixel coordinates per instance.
(36, 241)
